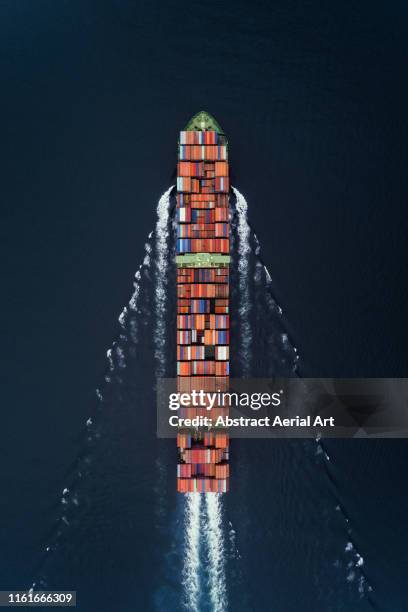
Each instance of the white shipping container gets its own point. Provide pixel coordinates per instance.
(221, 353)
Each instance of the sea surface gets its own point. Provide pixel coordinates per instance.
(313, 99)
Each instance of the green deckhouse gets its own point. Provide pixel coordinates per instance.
(203, 121)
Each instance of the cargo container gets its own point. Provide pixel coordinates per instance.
(203, 249)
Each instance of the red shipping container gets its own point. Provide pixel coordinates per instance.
(221, 213)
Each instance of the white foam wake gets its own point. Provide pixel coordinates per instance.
(162, 262)
(216, 552)
(115, 354)
(129, 319)
(191, 561)
(244, 251)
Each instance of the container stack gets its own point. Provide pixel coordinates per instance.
(203, 301)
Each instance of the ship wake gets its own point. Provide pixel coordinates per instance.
(118, 421)
(120, 462)
(204, 559)
(191, 560)
(261, 345)
(216, 552)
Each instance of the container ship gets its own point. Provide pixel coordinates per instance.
(203, 259)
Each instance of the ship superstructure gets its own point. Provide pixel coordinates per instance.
(203, 259)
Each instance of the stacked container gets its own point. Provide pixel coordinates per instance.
(203, 302)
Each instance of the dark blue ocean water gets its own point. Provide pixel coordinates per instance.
(313, 99)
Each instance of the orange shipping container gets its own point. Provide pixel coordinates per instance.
(222, 471)
(221, 168)
(221, 440)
